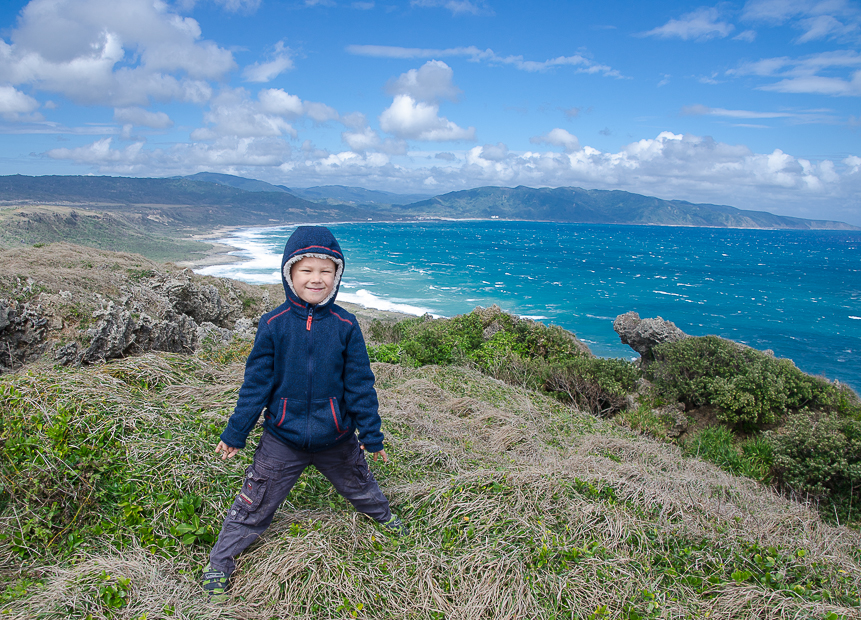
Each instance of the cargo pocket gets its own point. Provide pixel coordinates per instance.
(362, 469)
(252, 493)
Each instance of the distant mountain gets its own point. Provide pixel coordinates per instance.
(330, 194)
(573, 204)
(355, 195)
(249, 185)
(172, 201)
(180, 203)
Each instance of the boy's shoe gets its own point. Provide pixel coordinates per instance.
(214, 584)
(396, 526)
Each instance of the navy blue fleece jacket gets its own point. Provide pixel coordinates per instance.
(308, 372)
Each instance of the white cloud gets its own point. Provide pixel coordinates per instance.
(817, 19)
(13, 103)
(700, 25)
(407, 118)
(747, 35)
(265, 72)
(142, 118)
(494, 152)
(431, 82)
(455, 6)
(361, 141)
(558, 137)
(232, 113)
(363, 6)
(104, 52)
(804, 75)
(474, 54)
(277, 101)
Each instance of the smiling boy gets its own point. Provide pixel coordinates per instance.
(309, 374)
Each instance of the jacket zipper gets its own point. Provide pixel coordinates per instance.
(310, 375)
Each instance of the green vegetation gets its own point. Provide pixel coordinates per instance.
(749, 387)
(518, 506)
(518, 351)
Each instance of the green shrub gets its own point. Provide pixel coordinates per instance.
(593, 383)
(517, 351)
(750, 388)
(818, 455)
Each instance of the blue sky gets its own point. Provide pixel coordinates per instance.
(753, 104)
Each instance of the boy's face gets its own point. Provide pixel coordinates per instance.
(313, 278)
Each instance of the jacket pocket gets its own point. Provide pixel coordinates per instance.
(327, 425)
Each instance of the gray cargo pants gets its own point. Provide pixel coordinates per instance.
(268, 481)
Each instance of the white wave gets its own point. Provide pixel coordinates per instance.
(666, 293)
(535, 317)
(369, 300)
(857, 318)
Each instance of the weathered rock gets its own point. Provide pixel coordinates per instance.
(201, 302)
(213, 333)
(23, 334)
(112, 337)
(67, 354)
(680, 420)
(643, 335)
(173, 334)
(491, 330)
(244, 328)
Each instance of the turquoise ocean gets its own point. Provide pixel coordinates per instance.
(797, 293)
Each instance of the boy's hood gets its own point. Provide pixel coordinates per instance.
(316, 241)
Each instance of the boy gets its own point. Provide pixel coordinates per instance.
(309, 374)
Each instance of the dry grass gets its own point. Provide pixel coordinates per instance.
(519, 508)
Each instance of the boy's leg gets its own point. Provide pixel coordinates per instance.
(268, 481)
(346, 468)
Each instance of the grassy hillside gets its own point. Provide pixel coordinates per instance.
(519, 507)
(522, 502)
(51, 224)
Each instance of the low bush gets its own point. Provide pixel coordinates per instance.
(517, 351)
(818, 456)
(750, 388)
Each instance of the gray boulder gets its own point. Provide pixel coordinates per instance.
(23, 334)
(112, 337)
(201, 302)
(643, 335)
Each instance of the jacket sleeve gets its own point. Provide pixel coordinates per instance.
(256, 389)
(359, 394)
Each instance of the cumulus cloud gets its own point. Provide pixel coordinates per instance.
(104, 52)
(414, 113)
(14, 103)
(700, 25)
(431, 82)
(266, 72)
(142, 118)
(233, 113)
(474, 54)
(410, 119)
(558, 137)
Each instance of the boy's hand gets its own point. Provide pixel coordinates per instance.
(229, 452)
(381, 453)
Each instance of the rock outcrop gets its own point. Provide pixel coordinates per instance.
(84, 306)
(643, 335)
(23, 334)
